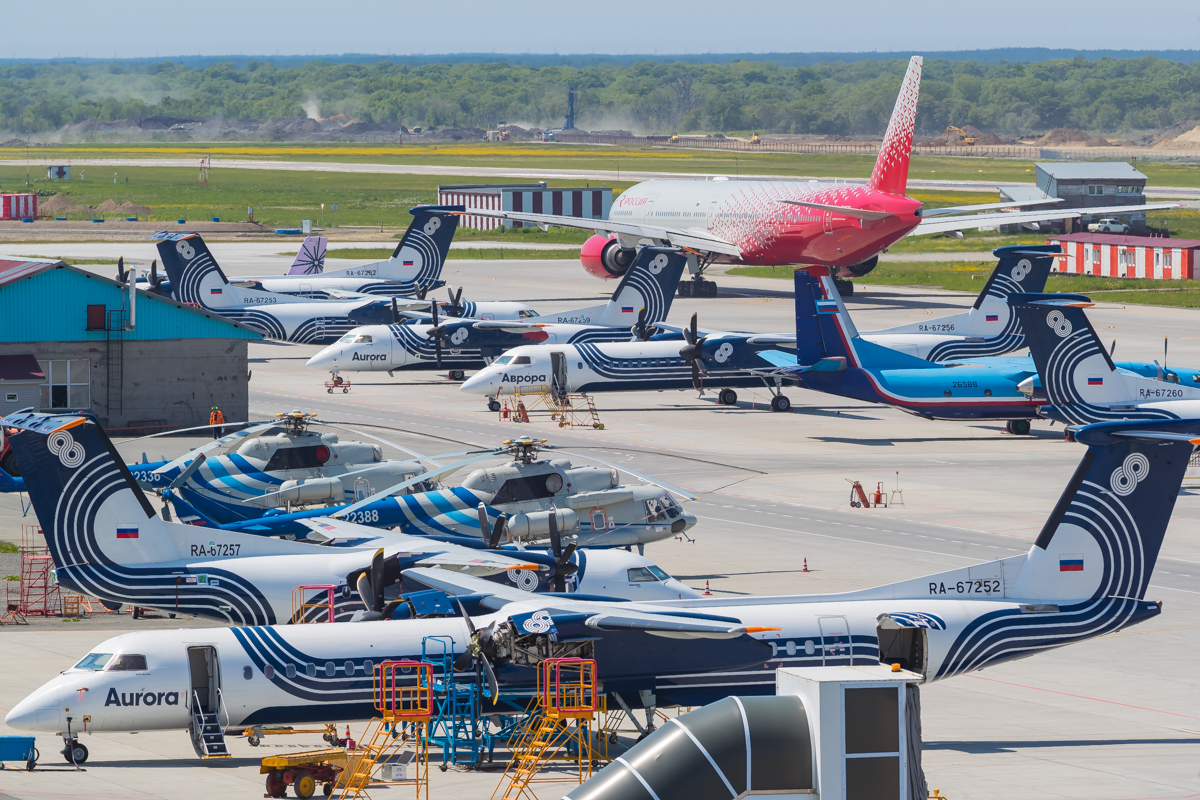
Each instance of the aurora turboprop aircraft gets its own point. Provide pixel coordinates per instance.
(1081, 384)
(1086, 575)
(643, 298)
(842, 226)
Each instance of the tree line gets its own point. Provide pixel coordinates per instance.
(1101, 96)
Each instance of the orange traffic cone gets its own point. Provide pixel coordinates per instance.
(707, 593)
(805, 566)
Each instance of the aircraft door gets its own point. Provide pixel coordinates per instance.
(903, 644)
(835, 642)
(712, 214)
(558, 366)
(206, 678)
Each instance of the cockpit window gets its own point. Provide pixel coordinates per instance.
(362, 338)
(128, 662)
(525, 313)
(662, 509)
(641, 575)
(521, 360)
(349, 337)
(659, 573)
(502, 360)
(94, 661)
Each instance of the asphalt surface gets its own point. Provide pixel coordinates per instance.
(1116, 717)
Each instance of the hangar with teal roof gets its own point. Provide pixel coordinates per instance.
(135, 359)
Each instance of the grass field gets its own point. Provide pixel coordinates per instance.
(969, 276)
(598, 157)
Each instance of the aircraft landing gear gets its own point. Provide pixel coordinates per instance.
(780, 403)
(493, 404)
(1019, 427)
(457, 375)
(697, 287)
(74, 752)
(727, 397)
(845, 288)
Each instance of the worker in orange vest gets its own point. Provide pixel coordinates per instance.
(215, 417)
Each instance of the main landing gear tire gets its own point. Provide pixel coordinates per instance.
(694, 288)
(457, 375)
(493, 404)
(1020, 427)
(75, 753)
(727, 397)
(780, 403)
(845, 288)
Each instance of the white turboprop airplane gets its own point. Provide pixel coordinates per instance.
(1085, 576)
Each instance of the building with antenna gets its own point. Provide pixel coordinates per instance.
(135, 359)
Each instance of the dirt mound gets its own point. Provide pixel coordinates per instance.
(1063, 136)
(451, 134)
(15, 143)
(837, 137)
(990, 138)
(1098, 142)
(60, 202)
(129, 209)
(107, 207)
(1189, 140)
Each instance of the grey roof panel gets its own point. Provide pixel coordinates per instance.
(1086, 170)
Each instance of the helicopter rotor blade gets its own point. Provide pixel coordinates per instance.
(497, 531)
(437, 473)
(634, 473)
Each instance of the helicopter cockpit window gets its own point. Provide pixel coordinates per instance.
(662, 509)
(309, 457)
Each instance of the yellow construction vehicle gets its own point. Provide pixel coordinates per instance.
(754, 139)
(961, 138)
(674, 138)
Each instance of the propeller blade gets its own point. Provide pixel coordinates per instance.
(695, 374)
(437, 338)
(187, 473)
(1112, 349)
(364, 591)
(497, 531)
(154, 279)
(437, 473)
(395, 312)
(493, 685)
(695, 335)
(560, 579)
(377, 580)
(121, 273)
(466, 617)
(484, 528)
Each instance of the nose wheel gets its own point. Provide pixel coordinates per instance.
(493, 404)
(457, 375)
(75, 753)
(727, 397)
(1020, 427)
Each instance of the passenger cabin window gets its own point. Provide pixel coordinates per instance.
(94, 661)
(298, 457)
(532, 487)
(127, 662)
(641, 575)
(518, 360)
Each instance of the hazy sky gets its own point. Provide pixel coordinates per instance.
(134, 28)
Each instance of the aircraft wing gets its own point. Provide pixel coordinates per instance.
(971, 221)
(600, 615)
(693, 238)
(440, 555)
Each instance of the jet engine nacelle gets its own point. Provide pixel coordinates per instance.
(855, 270)
(605, 258)
(537, 523)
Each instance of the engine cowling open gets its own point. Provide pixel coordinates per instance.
(604, 257)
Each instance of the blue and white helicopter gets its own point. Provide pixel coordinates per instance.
(1081, 384)
(1085, 576)
(641, 300)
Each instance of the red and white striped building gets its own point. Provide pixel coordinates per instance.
(1118, 256)
(18, 206)
(535, 198)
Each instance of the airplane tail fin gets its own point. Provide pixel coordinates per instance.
(891, 166)
(194, 273)
(823, 326)
(1021, 269)
(311, 258)
(1077, 373)
(92, 512)
(1103, 536)
(419, 257)
(650, 283)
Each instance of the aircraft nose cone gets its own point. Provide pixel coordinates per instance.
(324, 358)
(37, 712)
(481, 382)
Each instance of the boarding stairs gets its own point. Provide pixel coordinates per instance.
(207, 736)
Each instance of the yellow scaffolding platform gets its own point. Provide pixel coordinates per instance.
(564, 721)
(568, 410)
(403, 692)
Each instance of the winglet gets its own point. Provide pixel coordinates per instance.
(891, 166)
